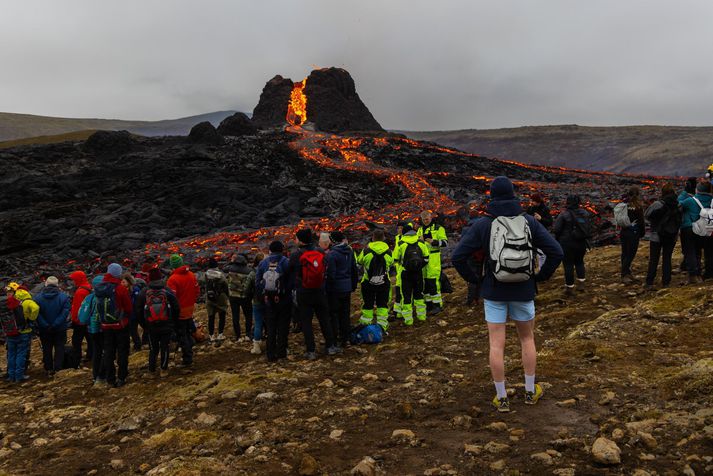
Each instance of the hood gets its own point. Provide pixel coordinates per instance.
(158, 284)
(341, 248)
(79, 278)
(97, 280)
(22, 295)
(378, 247)
(12, 303)
(50, 292)
(108, 278)
(240, 260)
(409, 238)
(504, 208)
(181, 270)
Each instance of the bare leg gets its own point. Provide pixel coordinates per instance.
(496, 333)
(527, 341)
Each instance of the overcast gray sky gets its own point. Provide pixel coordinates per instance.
(446, 64)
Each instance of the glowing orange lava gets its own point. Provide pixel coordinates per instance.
(297, 108)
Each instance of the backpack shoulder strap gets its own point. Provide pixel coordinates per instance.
(698, 202)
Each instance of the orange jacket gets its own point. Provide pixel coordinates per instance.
(83, 290)
(184, 285)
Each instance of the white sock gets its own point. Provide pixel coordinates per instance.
(500, 389)
(529, 383)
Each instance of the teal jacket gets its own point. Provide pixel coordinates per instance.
(691, 210)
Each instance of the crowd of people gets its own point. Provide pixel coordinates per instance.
(502, 255)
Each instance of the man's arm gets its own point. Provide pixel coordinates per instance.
(542, 240)
(469, 243)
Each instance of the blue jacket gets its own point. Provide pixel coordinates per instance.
(54, 309)
(691, 210)
(282, 268)
(477, 237)
(342, 274)
(683, 196)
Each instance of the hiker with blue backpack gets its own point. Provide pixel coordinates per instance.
(16, 324)
(114, 309)
(157, 310)
(271, 290)
(573, 230)
(52, 324)
(307, 270)
(342, 279)
(509, 238)
(376, 260)
(697, 226)
(89, 317)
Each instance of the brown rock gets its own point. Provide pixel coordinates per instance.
(308, 466)
(605, 451)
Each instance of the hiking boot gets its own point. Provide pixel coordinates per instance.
(24, 378)
(212, 338)
(436, 309)
(163, 373)
(648, 287)
(220, 337)
(334, 350)
(256, 350)
(692, 279)
(502, 405)
(310, 356)
(627, 279)
(532, 397)
(119, 383)
(569, 290)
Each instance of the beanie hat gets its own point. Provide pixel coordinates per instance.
(337, 237)
(115, 270)
(52, 281)
(502, 189)
(176, 261)
(703, 187)
(304, 236)
(155, 274)
(212, 263)
(573, 201)
(277, 247)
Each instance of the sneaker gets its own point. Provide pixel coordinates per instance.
(501, 404)
(23, 378)
(532, 397)
(334, 350)
(436, 309)
(310, 356)
(119, 383)
(163, 373)
(220, 337)
(569, 290)
(100, 382)
(212, 338)
(256, 350)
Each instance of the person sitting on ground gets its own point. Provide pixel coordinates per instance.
(17, 324)
(216, 299)
(271, 289)
(52, 323)
(508, 291)
(342, 280)
(307, 269)
(82, 289)
(241, 288)
(632, 234)
(184, 285)
(572, 236)
(697, 246)
(664, 216)
(158, 311)
(376, 260)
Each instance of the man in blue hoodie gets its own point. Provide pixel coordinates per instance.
(342, 281)
(515, 300)
(52, 324)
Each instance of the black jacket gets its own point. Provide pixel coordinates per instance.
(544, 212)
(564, 228)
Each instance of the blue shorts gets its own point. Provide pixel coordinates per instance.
(497, 312)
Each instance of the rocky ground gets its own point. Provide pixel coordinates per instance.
(627, 376)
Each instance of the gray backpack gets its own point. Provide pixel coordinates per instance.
(512, 256)
(621, 215)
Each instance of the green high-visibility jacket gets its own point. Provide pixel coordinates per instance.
(367, 254)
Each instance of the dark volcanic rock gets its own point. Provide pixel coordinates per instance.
(109, 142)
(238, 124)
(271, 110)
(205, 133)
(333, 104)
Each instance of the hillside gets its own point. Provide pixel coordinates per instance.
(21, 126)
(656, 150)
(632, 366)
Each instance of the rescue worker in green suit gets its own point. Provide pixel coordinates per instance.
(435, 236)
(376, 260)
(412, 257)
(398, 268)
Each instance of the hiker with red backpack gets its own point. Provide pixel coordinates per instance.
(79, 331)
(307, 269)
(16, 324)
(114, 310)
(158, 311)
(510, 239)
(271, 290)
(376, 260)
(52, 324)
(184, 285)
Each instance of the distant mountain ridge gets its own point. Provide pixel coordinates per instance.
(20, 126)
(652, 150)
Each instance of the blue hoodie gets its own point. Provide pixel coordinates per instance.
(691, 211)
(342, 274)
(282, 265)
(477, 237)
(54, 309)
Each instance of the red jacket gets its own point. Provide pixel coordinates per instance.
(184, 285)
(83, 290)
(122, 301)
